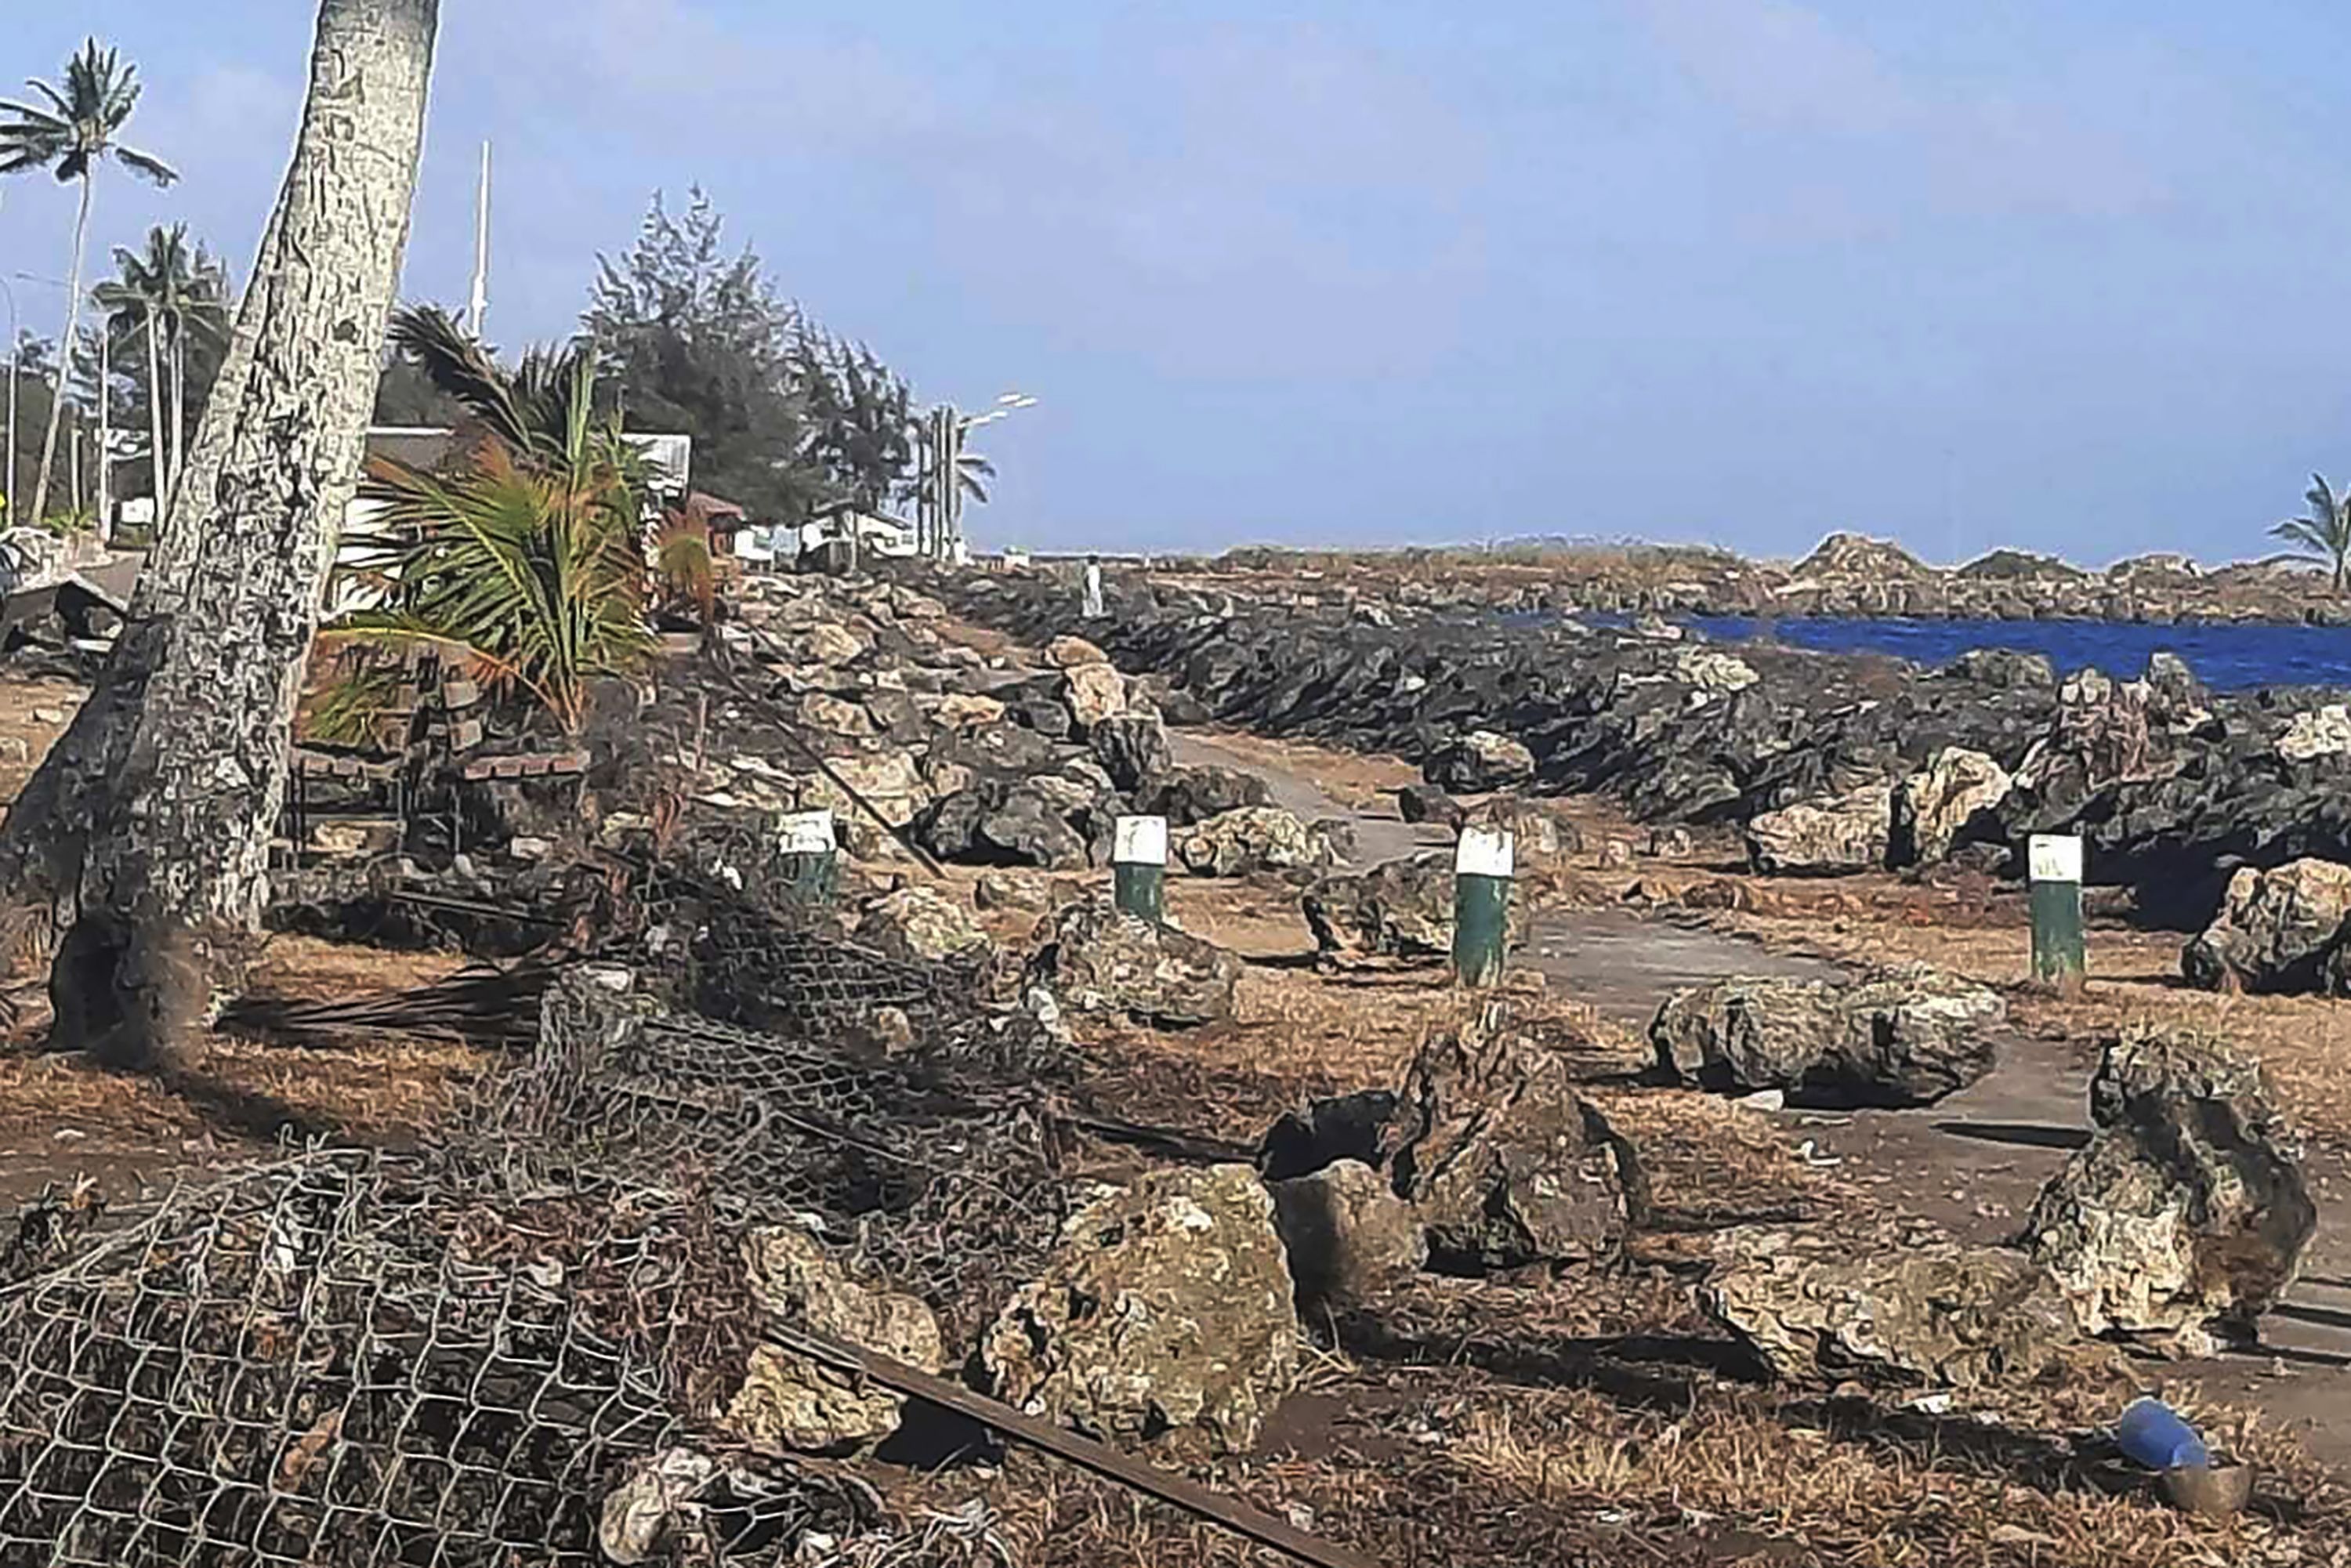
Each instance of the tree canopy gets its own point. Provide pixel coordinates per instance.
(787, 420)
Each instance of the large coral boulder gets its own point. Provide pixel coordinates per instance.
(1830, 836)
(2189, 1212)
(2282, 930)
(1906, 1037)
(1936, 807)
(1480, 762)
(1102, 960)
(789, 1403)
(1251, 839)
(1505, 1165)
(1166, 1309)
(1890, 1310)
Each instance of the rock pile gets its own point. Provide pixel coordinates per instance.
(1826, 763)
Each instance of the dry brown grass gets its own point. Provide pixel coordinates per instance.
(33, 713)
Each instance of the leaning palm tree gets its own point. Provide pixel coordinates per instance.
(2324, 530)
(76, 131)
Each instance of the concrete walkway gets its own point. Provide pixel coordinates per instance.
(1973, 1163)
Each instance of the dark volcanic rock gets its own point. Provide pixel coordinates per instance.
(1505, 1165)
(1132, 748)
(1480, 762)
(1428, 803)
(1194, 794)
(2189, 1212)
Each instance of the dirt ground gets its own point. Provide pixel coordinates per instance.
(1586, 1420)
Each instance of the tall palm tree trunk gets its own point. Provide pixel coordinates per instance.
(179, 394)
(65, 352)
(147, 830)
(155, 458)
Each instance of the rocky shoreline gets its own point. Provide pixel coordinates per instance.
(1824, 762)
(1847, 577)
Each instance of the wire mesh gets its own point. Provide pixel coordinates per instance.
(930, 1158)
(347, 1359)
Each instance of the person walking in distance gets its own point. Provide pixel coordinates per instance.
(1093, 607)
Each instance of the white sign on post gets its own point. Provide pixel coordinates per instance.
(2055, 857)
(1485, 851)
(807, 833)
(1139, 841)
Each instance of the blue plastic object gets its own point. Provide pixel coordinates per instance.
(2152, 1434)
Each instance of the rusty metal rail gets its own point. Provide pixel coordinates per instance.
(1084, 1452)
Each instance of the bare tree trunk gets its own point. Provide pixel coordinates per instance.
(179, 393)
(147, 830)
(65, 353)
(155, 458)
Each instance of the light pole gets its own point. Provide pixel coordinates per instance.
(946, 496)
(16, 353)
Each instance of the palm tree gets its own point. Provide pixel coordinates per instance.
(2326, 530)
(72, 134)
(526, 560)
(177, 295)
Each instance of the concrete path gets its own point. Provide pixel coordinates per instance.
(1973, 1163)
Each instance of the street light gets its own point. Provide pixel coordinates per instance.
(945, 500)
(16, 353)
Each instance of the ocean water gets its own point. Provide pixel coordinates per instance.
(2225, 658)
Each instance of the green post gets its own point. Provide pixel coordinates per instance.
(1483, 864)
(809, 856)
(2060, 951)
(1138, 861)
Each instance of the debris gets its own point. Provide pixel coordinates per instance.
(1480, 762)
(1251, 839)
(2150, 1433)
(1351, 1240)
(789, 1403)
(1817, 1308)
(2279, 930)
(1937, 806)
(1506, 1165)
(1828, 837)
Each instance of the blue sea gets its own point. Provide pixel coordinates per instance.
(2225, 658)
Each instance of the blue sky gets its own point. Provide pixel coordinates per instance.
(1744, 271)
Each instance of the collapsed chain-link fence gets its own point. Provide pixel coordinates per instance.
(352, 1359)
